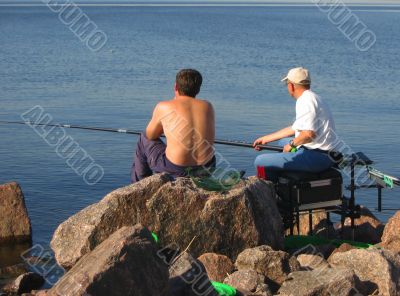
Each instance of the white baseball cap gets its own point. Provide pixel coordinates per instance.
(298, 75)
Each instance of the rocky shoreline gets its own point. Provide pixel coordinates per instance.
(235, 237)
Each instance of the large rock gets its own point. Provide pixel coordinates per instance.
(188, 277)
(25, 283)
(36, 293)
(323, 250)
(13, 270)
(343, 248)
(309, 261)
(320, 282)
(178, 211)
(248, 282)
(368, 228)
(321, 226)
(391, 234)
(217, 266)
(82, 232)
(274, 265)
(125, 264)
(377, 269)
(15, 225)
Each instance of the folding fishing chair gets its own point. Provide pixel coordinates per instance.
(302, 192)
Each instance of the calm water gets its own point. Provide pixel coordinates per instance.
(242, 53)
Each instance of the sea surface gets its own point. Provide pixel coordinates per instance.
(242, 52)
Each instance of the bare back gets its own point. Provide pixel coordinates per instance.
(189, 126)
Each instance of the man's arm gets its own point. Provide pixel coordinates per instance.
(283, 133)
(303, 138)
(154, 129)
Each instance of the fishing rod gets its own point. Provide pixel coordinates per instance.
(137, 132)
(381, 178)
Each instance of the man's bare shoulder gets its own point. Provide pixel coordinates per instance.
(204, 102)
(163, 106)
(168, 105)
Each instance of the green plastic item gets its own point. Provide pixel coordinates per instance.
(293, 150)
(224, 290)
(155, 237)
(388, 181)
(300, 241)
(216, 179)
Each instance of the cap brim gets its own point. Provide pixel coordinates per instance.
(284, 79)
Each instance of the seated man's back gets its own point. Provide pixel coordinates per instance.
(189, 126)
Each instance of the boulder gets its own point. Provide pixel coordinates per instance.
(36, 293)
(274, 265)
(124, 264)
(320, 282)
(25, 283)
(368, 228)
(15, 225)
(217, 266)
(343, 248)
(393, 246)
(13, 270)
(323, 250)
(82, 232)
(178, 211)
(377, 269)
(391, 234)
(309, 261)
(321, 226)
(188, 277)
(248, 282)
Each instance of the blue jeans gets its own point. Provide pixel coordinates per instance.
(303, 160)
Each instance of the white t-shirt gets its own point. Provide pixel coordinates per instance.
(313, 114)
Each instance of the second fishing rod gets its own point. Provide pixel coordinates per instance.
(138, 132)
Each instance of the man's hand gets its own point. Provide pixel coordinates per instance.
(259, 141)
(283, 133)
(287, 148)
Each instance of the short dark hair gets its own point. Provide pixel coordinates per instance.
(188, 82)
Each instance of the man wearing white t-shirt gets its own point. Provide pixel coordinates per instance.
(313, 131)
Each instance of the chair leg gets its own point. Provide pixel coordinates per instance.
(298, 220)
(353, 228)
(310, 223)
(291, 223)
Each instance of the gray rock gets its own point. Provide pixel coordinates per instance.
(178, 211)
(13, 270)
(309, 261)
(343, 248)
(274, 265)
(368, 228)
(320, 282)
(124, 264)
(188, 277)
(324, 250)
(376, 269)
(248, 282)
(217, 266)
(391, 234)
(25, 283)
(36, 293)
(82, 232)
(321, 226)
(15, 225)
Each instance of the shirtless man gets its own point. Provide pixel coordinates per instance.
(189, 127)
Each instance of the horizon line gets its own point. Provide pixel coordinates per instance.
(199, 4)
